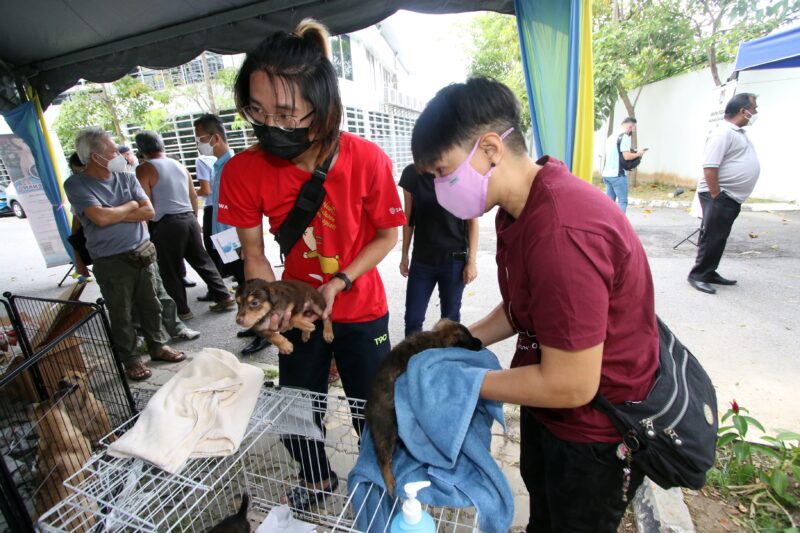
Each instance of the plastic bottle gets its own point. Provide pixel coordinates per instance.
(413, 518)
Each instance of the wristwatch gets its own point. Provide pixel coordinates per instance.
(347, 283)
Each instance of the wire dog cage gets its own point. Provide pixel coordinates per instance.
(111, 494)
(62, 391)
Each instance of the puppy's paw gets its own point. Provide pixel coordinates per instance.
(328, 336)
(285, 348)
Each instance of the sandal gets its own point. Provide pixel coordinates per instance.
(302, 498)
(138, 372)
(168, 355)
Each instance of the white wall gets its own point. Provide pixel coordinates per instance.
(673, 116)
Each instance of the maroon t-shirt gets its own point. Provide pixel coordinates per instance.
(573, 274)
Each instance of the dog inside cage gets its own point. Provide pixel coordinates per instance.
(61, 393)
(290, 432)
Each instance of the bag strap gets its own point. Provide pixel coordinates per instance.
(306, 205)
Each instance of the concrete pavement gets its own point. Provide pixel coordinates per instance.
(746, 336)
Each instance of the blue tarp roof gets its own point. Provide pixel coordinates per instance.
(779, 50)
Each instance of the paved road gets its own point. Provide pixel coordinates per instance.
(747, 336)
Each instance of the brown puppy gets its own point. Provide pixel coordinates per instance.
(258, 299)
(86, 412)
(235, 523)
(379, 411)
(62, 451)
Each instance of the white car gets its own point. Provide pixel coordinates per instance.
(13, 201)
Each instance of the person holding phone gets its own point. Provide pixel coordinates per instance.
(618, 148)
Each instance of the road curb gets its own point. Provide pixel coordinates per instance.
(681, 204)
(657, 510)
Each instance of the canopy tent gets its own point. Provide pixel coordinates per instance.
(46, 47)
(54, 44)
(779, 50)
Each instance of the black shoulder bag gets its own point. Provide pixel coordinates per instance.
(308, 202)
(672, 434)
(626, 164)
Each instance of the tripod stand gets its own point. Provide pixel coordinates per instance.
(689, 237)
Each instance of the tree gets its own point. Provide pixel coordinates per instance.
(497, 55)
(721, 25)
(112, 107)
(650, 42)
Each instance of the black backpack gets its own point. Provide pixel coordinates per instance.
(672, 434)
(626, 164)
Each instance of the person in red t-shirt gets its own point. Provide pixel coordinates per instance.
(287, 89)
(576, 289)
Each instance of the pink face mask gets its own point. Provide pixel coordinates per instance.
(463, 191)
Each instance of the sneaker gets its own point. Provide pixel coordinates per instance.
(187, 334)
(188, 282)
(223, 305)
(302, 498)
(186, 316)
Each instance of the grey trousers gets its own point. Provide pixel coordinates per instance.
(126, 287)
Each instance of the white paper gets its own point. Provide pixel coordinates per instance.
(227, 245)
(280, 519)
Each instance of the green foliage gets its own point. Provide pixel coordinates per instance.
(651, 43)
(762, 475)
(644, 41)
(126, 101)
(497, 55)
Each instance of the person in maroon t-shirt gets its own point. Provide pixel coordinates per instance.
(576, 289)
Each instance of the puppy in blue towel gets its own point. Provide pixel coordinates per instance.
(379, 411)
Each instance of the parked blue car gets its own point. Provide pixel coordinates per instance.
(5, 209)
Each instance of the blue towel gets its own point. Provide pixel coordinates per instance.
(447, 434)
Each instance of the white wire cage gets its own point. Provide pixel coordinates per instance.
(112, 494)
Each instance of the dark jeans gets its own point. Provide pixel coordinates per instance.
(718, 216)
(423, 276)
(234, 268)
(359, 348)
(177, 237)
(574, 487)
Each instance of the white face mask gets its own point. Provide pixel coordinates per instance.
(204, 148)
(751, 119)
(115, 164)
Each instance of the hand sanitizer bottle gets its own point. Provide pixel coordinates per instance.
(413, 518)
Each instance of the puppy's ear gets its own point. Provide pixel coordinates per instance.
(475, 344)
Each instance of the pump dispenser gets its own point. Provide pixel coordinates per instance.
(413, 518)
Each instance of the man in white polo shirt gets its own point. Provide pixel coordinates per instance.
(730, 173)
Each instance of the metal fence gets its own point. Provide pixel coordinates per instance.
(62, 390)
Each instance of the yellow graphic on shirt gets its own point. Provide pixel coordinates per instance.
(328, 265)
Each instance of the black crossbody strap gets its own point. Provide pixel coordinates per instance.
(308, 202)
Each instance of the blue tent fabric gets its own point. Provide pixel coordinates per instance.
(779, 50)
(24, 123)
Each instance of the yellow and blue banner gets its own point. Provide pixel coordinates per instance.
(555, 34)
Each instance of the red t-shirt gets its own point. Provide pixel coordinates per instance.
(573, 274)
(361, 197)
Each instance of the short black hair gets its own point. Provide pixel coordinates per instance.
(149, 142)
(75, 160)
(738, 102)
(462, 112)
(629, 120)
(212, 124)
(123, 149)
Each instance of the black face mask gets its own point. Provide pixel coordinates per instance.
(283, 144)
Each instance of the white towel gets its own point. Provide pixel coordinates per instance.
(202, 411)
